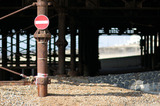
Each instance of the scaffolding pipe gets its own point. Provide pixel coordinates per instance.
(24, 8)
(22, 75)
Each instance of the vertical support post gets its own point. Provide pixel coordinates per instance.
(158, 47)
(4, 74)
(4, 49)
(155, 43)
(28, 49)
(54, 47)
(50, 55)
(61, 43)
(36, 52)
(42, 37)
(151, 44)
(73, 44)
(17, 50)
(147, 51)
(142, 44)
(155, 49)
(151, 51)
(89, 50)
(12, 51)
(80, 51)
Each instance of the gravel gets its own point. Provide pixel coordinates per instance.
(76, 91)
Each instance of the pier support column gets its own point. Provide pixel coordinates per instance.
(4, 49)
(80, 52)
(142, 50)
(88, 54)
(28, 49)
(54, 48)
(42, 36)
(73, 45)
(155, 50)
(61, 42)
(4, 75)
(17, 50)
(12, 51)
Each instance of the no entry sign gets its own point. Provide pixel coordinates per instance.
(41, 22)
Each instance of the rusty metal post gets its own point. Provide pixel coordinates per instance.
(61, 43)
(42, 37)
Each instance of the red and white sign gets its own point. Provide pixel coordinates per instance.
(41, 22)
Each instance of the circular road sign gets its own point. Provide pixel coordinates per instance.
(41, 22)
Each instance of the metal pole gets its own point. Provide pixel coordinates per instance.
(42, 37)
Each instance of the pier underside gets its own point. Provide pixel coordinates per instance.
(80, 20)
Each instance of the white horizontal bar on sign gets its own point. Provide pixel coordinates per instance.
(41, 22)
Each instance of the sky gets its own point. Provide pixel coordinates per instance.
(114, 40)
